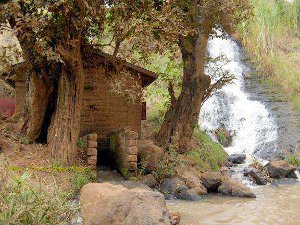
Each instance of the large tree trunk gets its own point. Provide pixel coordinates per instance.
(183, 114)
(64, 130)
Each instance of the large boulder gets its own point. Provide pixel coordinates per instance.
(173, 185)
(190, 179)
(280, 169)
(237, 158)
(211, 180)
(256, 176)
(235, 188)
(106, 203)
(150, 154)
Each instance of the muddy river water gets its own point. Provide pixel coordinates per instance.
(274, 205)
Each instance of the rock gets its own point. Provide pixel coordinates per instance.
(111, 204)
(235, 188)
(170, 197)
(211, 180)
(175, 217)
(193, 194)
(150, 154)
(255, 175)
(280, 169)
(225, 171)
(190, 179)
(172, 185)
(149, 180)
(285, 181)
(130, 184)
(237, 158)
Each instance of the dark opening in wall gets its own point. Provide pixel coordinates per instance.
(105, 157)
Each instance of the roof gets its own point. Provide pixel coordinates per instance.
(147, 76)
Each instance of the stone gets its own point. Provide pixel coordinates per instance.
(91, 151)
(237, 158)
(149, 180)
(235, 188)
(193, 194)
(150, 154)
(256, 176)
(132, 143)
(92, 137)
(173, 185)
(92, 144)
(225, 171)
(280, 169)
(132, 158)
(190, 179)
(92, 160)
(175, 217)
(211, 180)
(106, 203)
(132, 166)
(133, 150)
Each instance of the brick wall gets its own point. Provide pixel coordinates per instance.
(104, 111)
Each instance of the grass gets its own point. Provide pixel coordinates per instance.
(40, 195)
(272, 38)
(209, 155)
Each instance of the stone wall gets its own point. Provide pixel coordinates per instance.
(91, 150)
(123, 144)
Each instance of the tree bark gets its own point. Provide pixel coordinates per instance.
(183, 114)
(64, 129)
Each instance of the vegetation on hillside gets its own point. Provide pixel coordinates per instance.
(272, 37)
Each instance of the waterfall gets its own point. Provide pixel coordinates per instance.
(232, 108)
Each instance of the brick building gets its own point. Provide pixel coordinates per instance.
(104, 111)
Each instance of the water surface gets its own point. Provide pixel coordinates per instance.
(274, 205)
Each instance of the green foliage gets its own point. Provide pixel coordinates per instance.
(272, 39)
(24, 203)
(79, 180)
(224, 136)
(82, 142)
(209, 155)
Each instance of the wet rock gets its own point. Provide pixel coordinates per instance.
(280, 169)
(149, 180)
(256, 176)
(285, 181)
(235, 188)
(211, 180)
(173, 185)
(150, 154)
(170, 197)
(193, 194)
(175, 217)
(237, 158)
(106, 203)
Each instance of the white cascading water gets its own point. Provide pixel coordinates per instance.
(232, 108)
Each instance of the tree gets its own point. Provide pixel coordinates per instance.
(201, 18)
(54, 37)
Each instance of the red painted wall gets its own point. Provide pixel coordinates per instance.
(7, 106)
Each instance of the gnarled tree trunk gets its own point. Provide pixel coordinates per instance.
(183, 114)
(64, 130)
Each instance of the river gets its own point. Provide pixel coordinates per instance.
(260, 131)
(274, 205)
